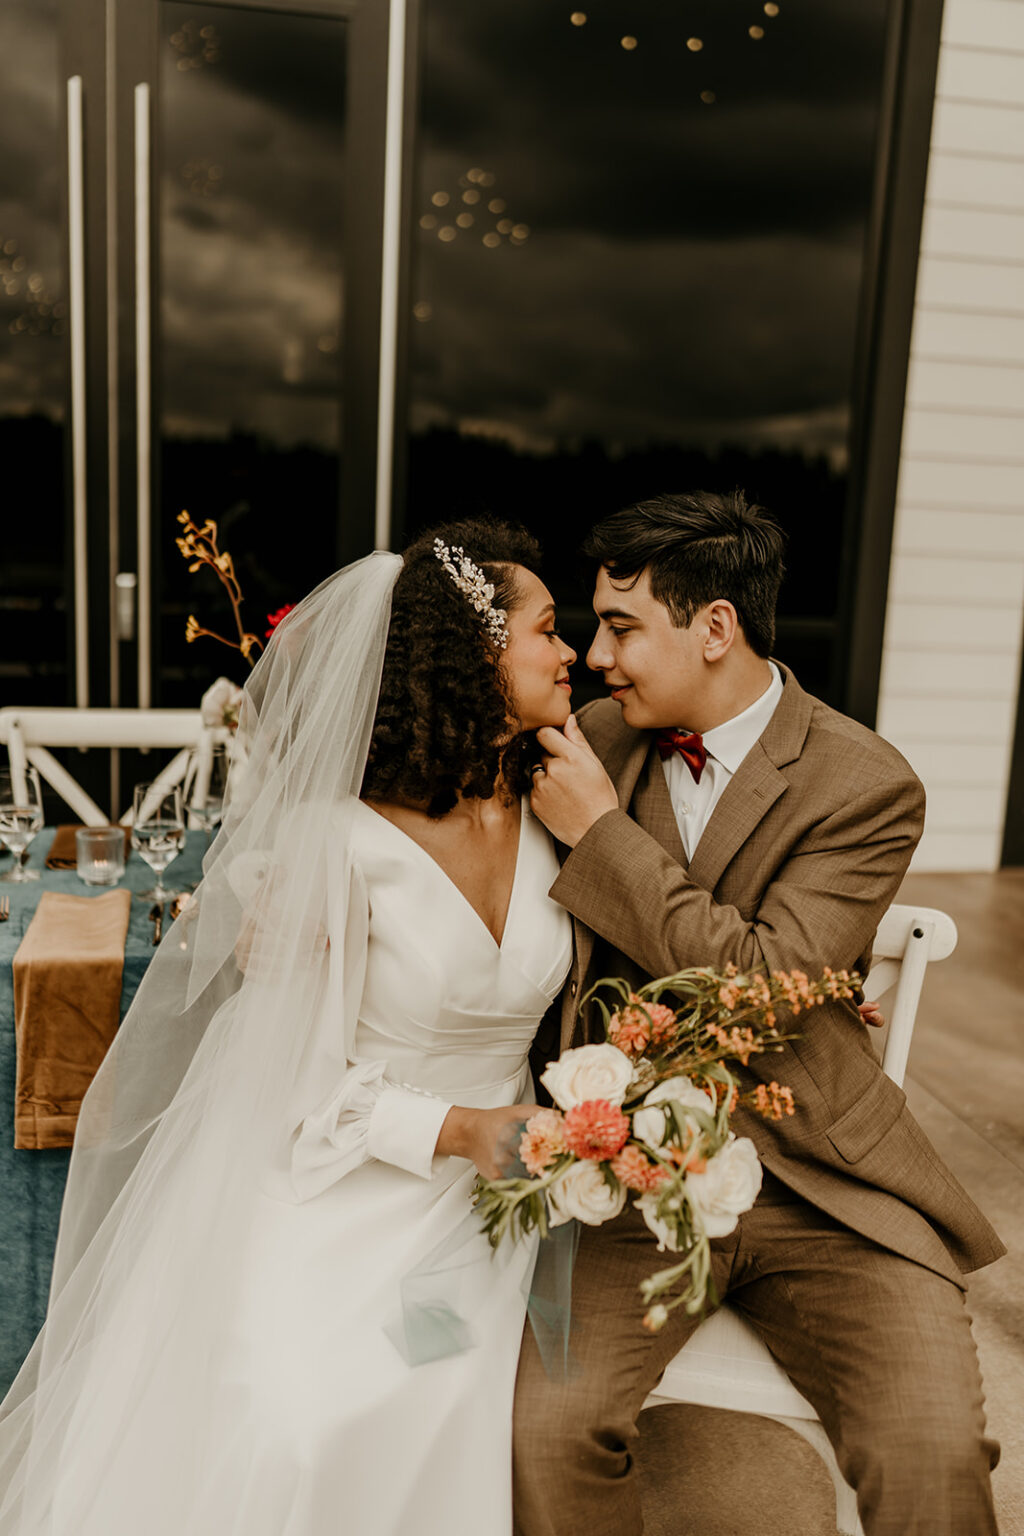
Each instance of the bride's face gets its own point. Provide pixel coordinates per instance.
(537, 659)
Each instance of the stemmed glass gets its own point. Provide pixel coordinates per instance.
(207, 809)
(21, 817)
(158, 832)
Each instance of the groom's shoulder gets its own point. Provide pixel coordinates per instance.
(853, 749)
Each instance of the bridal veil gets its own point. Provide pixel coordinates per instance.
(203, 1086)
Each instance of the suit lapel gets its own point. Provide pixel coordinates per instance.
(652, 809)
(754, 787)
(749, 795)
(623, 759)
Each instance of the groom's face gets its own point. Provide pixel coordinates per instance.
(653, 669)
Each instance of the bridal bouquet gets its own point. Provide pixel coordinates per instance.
(647, 1113)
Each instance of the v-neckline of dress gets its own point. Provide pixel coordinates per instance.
(499, 944)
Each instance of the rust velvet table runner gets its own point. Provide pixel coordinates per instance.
(67, 1003)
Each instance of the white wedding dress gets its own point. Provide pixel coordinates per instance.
(364, 1254)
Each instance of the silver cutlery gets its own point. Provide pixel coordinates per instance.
(156, 917)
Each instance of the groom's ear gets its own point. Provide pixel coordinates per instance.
(721, 626)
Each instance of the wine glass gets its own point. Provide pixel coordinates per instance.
(158, 831)
(207, 807)
(21, 817)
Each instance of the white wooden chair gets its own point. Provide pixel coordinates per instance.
(725, 1364)
(30, 733)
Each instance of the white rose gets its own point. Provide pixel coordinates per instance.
(647, 1205)
(589, 1072)
(649, 1124)
(728, 1186)
(683, 1091)
(220, 703)
(582, 1194)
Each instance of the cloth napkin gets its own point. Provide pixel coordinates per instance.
(62, 854)
(67, 1005)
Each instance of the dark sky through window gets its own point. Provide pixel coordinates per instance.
(655, 283)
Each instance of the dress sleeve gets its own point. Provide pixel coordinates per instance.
(365, 1115)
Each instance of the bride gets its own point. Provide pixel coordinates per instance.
(272, 1309)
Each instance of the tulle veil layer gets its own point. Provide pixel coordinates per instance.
(198, 1096)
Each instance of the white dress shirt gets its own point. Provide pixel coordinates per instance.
(726, 746)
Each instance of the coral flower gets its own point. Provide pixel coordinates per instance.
(663, 1021)
(596, 1129)
(635, 1026)
(637, 1172)
(542, 1140)
(630, 1029)
(773, 1101)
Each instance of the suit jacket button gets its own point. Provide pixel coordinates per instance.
(573, 988)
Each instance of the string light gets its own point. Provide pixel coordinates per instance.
(504, 229)
(203, 177)
(694, 44)
(40, 314)
(196, 46)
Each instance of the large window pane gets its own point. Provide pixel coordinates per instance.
(249, 362)
(33, 360)
(638, 259)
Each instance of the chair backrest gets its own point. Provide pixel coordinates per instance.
(907, 938)
(29, 733)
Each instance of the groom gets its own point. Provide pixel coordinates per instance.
(715, 812)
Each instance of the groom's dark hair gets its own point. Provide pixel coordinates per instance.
(696, 548)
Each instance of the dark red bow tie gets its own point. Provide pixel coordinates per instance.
(689, 748)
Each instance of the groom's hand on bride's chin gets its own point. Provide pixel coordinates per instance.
(574, 790)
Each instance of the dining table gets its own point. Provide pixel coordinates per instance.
(32, 1181)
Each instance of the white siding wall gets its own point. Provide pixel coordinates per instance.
(952, 652)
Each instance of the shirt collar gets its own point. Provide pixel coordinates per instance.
(730, 742)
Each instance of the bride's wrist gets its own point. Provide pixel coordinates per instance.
(456, 1133)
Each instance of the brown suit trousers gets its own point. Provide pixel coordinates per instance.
(851, 1264)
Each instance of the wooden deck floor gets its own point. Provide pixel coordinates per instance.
(723, 1474)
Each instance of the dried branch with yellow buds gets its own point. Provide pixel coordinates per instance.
(199, 547)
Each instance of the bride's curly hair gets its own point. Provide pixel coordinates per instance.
(445, 713)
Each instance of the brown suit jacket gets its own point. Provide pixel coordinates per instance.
(801, 857)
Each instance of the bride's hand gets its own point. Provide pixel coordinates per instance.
(488, 1137)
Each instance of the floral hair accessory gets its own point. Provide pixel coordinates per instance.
(474, 586)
